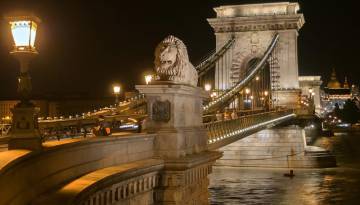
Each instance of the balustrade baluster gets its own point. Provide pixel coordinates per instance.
(221, 130)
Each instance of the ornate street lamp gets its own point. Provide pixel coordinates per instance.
(23, 30)
(24, 131)
(116, 89)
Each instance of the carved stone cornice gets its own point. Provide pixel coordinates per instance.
(257, 23)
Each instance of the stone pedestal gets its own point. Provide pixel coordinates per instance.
(175, 114)
(185, 181)
(24, 131)
(289, 98)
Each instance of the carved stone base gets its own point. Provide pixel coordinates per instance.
(185, 181)
(175, 114)
(24, 131)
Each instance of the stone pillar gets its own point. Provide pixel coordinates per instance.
(254, 26)
(175, 114)
(25, 130)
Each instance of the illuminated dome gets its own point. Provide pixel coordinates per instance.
(333, 83)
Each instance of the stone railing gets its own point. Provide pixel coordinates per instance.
(224, 132)
(133, 183)
(141, 188)
(56, 164)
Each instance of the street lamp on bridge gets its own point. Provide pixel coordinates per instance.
(247, 91)
(116, 90)
(207, 87)
(23, 30)
(24, 132)
(148, 79)
(247, 101)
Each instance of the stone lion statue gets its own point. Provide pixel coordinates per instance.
(172, 62)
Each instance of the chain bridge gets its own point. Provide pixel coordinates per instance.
(181, 130)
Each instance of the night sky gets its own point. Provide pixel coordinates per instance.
(84, 46)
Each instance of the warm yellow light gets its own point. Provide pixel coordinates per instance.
(207, 87)
(247, 90)
(257, 78)
(251, 97)
(116, 89)
(310, 90)
(313, 94)
(24, 30)
(266, 93)
(148, 79)
(213, 94)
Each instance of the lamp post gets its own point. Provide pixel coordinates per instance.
(252, 102)
(148, 79)
(207, 87)
(247, 92)
(116, 89)
(24, 132)
(267, 106)
(310, 93)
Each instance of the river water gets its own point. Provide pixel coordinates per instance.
(340, 185)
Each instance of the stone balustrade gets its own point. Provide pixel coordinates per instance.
(129, 183)
(29, 174)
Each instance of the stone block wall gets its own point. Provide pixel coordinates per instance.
(278, 147)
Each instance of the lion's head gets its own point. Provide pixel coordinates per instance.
(172, 60)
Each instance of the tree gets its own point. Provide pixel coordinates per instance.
(337, 110)
(350, 113)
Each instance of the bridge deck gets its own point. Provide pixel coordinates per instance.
(55, 165)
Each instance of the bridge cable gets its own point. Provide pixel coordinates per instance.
(224, 98)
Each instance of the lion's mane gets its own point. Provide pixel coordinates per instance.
(181, 71)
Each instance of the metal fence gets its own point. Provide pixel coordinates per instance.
(244, 126)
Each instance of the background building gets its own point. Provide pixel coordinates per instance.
(335, 93)
(46, 108)
(70, 105)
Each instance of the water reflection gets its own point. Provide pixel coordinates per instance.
(339, 185)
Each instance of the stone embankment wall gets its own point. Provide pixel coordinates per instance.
(277, 147)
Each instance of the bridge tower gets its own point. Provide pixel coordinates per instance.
(253, 26)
